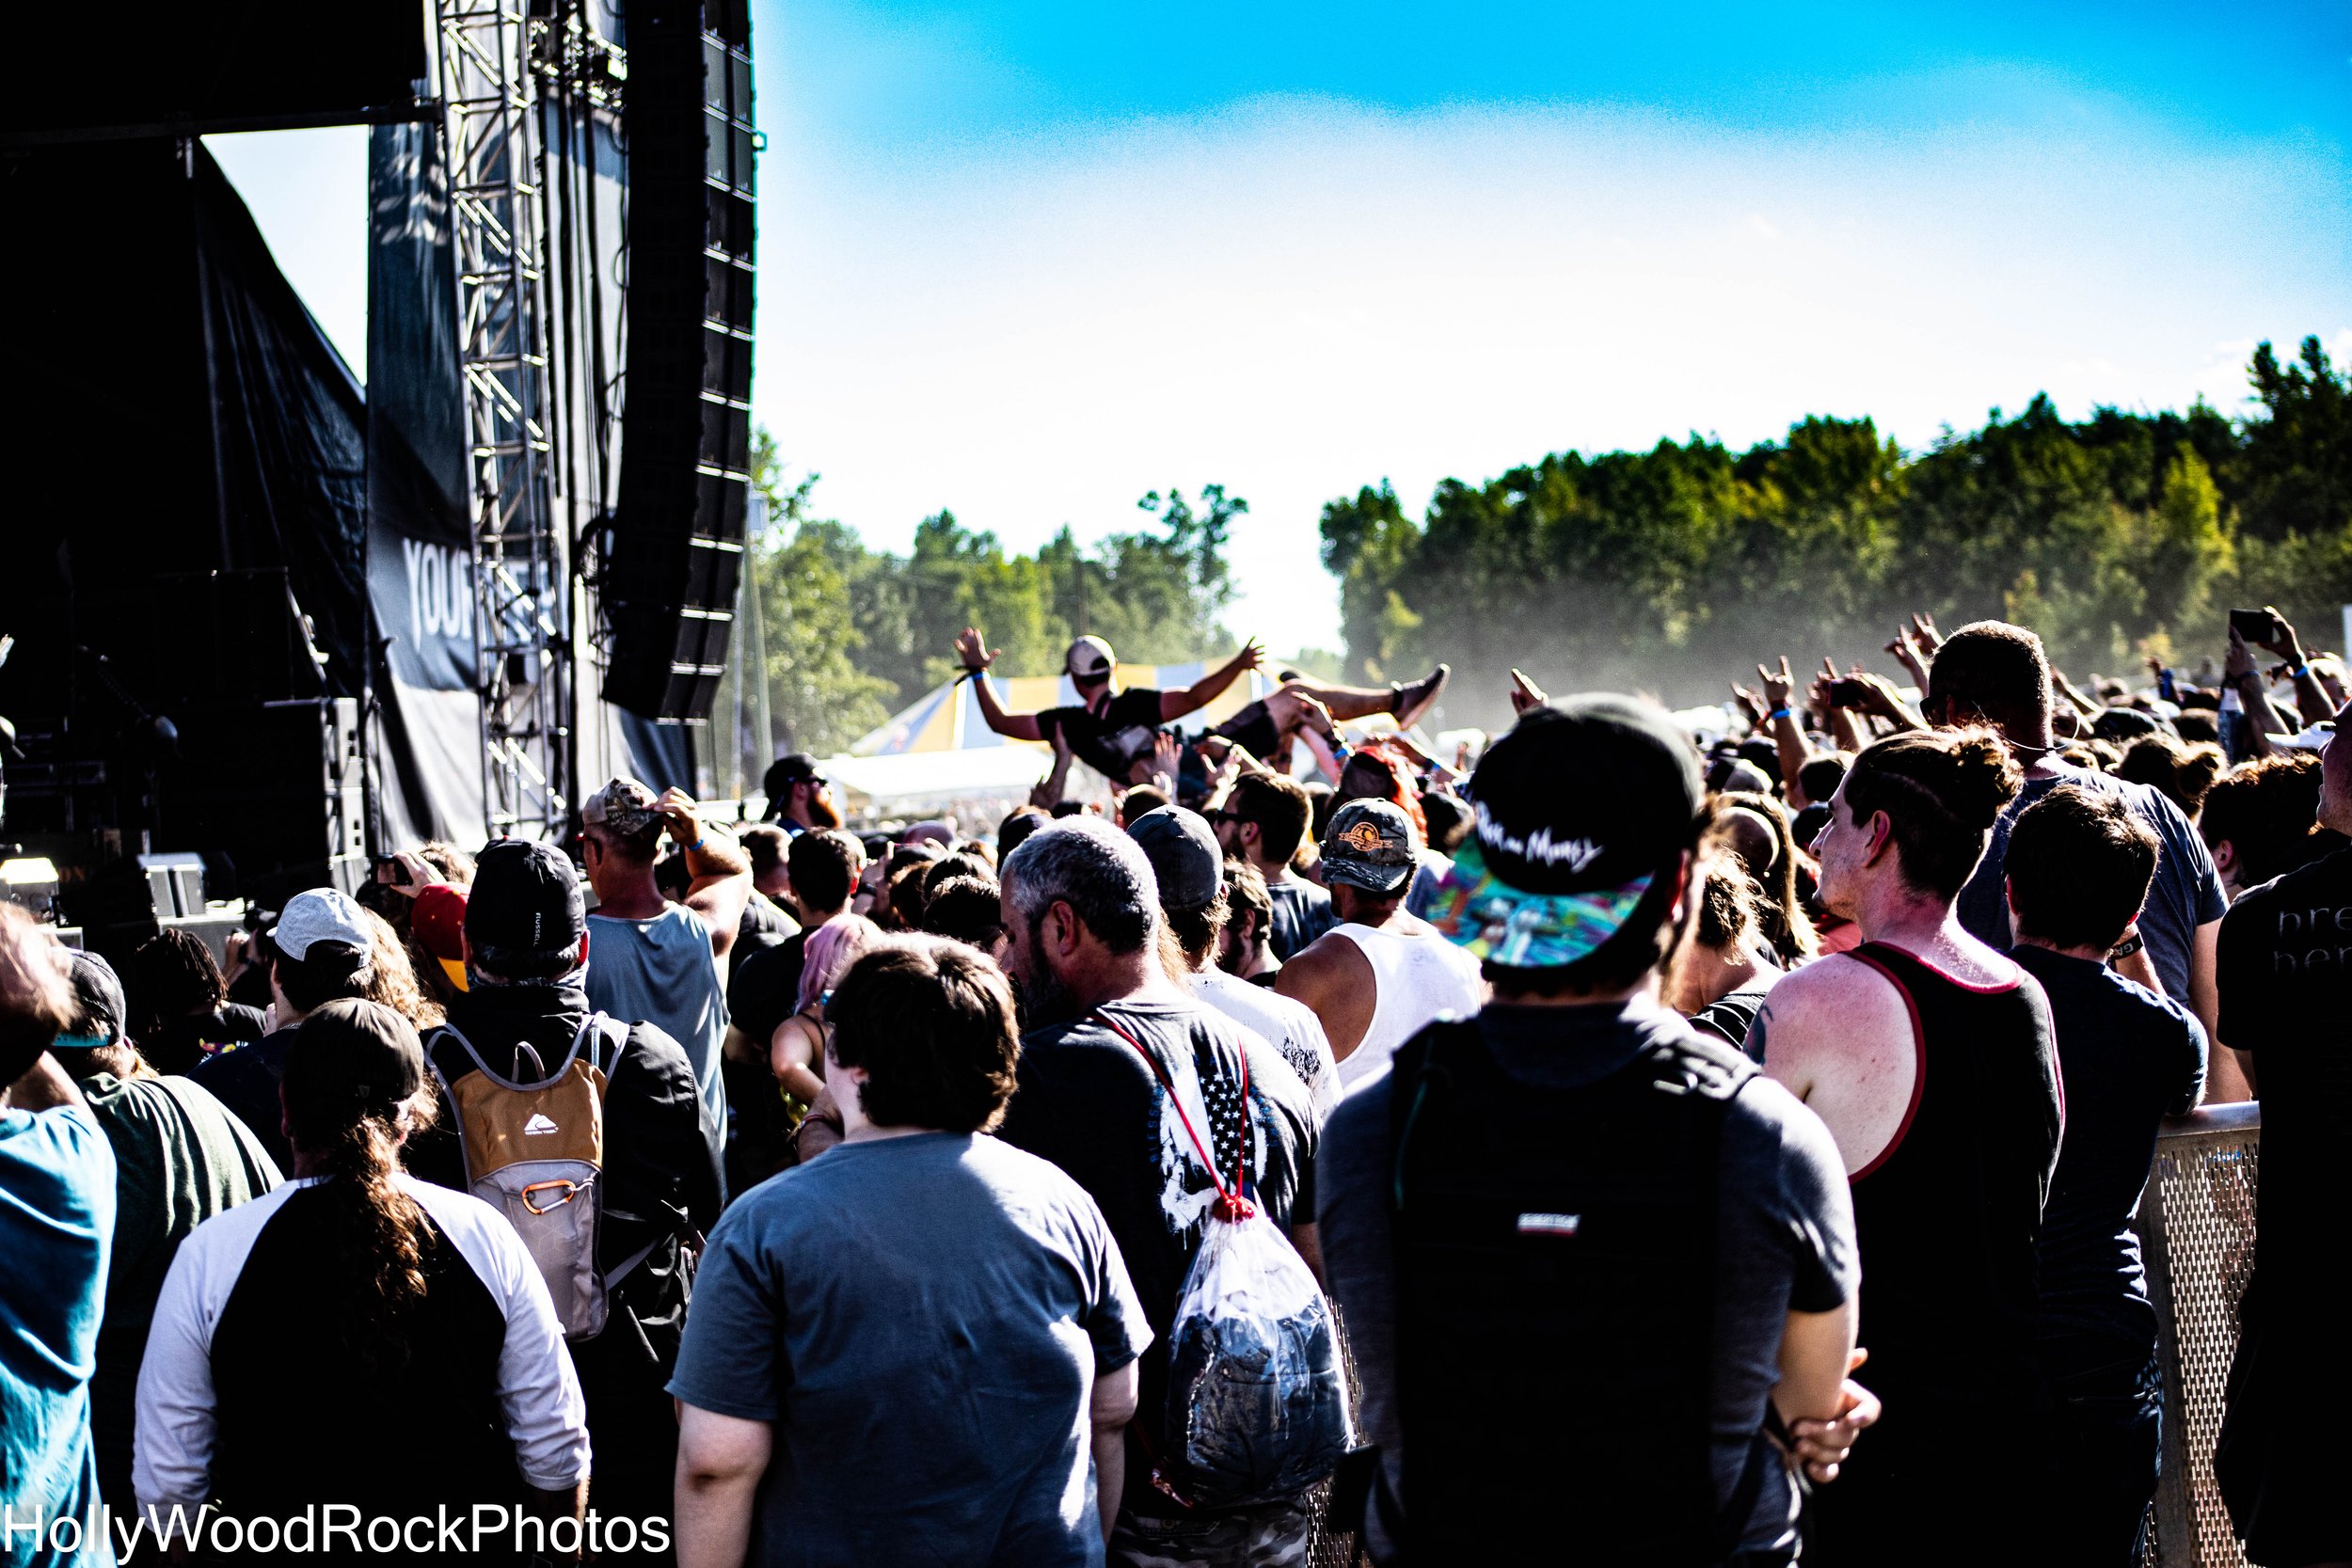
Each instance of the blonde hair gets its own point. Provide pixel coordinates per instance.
(392, 977)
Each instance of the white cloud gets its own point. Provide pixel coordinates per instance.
(1299, 298)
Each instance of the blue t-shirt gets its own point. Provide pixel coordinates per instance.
(56, 1233)
(2129, 1059)
(2185, 894)
(660, 971)
(922, 1318)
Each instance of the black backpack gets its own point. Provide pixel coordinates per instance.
(1556, 1266)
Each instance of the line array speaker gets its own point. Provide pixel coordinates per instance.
(675, 546)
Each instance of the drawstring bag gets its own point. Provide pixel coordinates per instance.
(1257, 1401)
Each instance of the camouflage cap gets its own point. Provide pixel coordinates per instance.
(624, 807)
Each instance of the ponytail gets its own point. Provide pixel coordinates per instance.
(1942, 790)
(380, 1232)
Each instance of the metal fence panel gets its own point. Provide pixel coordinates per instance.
(2197, 1231)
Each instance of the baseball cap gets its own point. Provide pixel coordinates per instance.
(1185, 856)
(1089, 658)
(97, 1005)
(786, 772)
(1576, 811)
(437, 920)
(321, 914)
(353, 1057)
(624, 806)
(2314, 738)
(1370, 844)
(525, 898)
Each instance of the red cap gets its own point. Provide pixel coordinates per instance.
(440, 920)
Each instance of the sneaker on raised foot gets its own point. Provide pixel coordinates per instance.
(1408, 703)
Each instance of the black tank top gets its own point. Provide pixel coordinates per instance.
(1947, 1216)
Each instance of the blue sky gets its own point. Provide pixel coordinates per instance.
(1029, 261)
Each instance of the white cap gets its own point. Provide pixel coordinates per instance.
(2313, 739)
(1088, 656)
(321, 914)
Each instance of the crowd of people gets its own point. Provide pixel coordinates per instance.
(1466, 1163)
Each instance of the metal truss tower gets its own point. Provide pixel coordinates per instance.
(522, 641)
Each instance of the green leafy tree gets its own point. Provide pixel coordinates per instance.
(802, 568)
(1671, 569)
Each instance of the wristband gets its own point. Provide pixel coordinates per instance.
(2298, 672)
(1776, 713)
(2133, 942)
(698, 844)
(972, 674)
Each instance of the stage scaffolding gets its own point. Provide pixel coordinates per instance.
(521, 558)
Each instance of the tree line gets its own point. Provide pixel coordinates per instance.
(1665, 570)
(1670, 570)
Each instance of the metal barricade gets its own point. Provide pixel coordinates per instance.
(2197, 1233)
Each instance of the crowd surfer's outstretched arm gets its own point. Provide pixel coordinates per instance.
(973, 651)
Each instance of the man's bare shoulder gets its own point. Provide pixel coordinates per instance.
(1833, 1001)
(1325, 964)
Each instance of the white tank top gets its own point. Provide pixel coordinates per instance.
(1415, 979)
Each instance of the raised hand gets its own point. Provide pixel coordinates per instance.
(972, 652)
(679, 811)
(1751, 704)
(1777, 687)
(407, 874)
(1252, 655)
(1526, 696)
(2239, 662)
(1923, 625)
(2285, 643)
(1911, 654)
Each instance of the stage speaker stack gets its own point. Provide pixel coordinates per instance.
(673, 549)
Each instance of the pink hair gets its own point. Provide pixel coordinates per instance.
(828, 952)
(1382, 753)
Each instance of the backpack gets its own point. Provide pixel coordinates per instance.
(534, 1151)
(1556, 1252)
(1257, 1396)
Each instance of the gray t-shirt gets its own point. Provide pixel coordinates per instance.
(1302, 912)
(922, 1318)
(2185, 894)
(1784, 1239)
(660, 971)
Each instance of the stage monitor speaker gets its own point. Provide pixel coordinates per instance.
(675, 548)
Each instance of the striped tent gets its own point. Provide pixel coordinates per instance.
(947, 719)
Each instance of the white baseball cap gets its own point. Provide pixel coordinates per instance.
(321, 914)
(1087, 658)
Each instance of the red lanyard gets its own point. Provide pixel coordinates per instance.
(1231, 1205)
